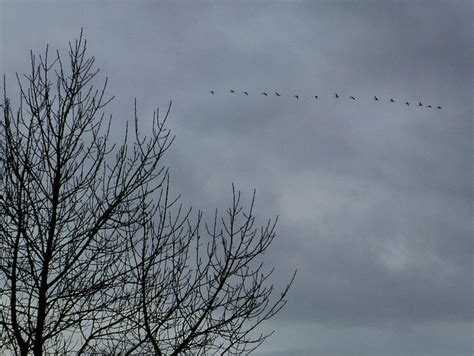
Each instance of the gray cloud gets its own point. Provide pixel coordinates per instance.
(374, 198)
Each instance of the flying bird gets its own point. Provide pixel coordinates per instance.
(212, 92)
(407, 103)
(429, 106)
(391, 100)
(337, 96)
(263, 93)
(352, 98)
(246, 93)
(376, 99)
(439, 107)
(232, 91)
(277, 93)
(296, 96)
(316, 97)
(420, 104)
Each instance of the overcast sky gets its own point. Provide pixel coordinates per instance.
(375, 199)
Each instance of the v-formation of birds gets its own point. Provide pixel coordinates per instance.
(316, 97)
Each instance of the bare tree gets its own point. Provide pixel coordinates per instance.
(95, 255)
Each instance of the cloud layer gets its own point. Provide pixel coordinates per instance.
(374, 198)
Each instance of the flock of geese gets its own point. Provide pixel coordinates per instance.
(316, 97)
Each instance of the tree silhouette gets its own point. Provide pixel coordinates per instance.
(95, 254)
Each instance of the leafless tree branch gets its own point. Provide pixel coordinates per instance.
(95, 254)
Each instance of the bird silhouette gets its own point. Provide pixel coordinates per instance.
(391, 100)
(376, 99)
(407, 103)
(212, 92)
(429, 106)
(277, 93)
(352, 98)
(420, 104)
(296, 96)
(263, 93)
(232, 91)
(316, 97)
(246, 93)
(337, 96)
(439, 107)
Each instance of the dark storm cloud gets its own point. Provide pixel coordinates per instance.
(374, 198)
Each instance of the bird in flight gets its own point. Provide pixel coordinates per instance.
(296, 96)
(212, 92)
(420, 104)
(439, 107)
(246, 93)
(352, 98)
(337, 96)
(232, 91)
(277, 93)
(263, 93)
(316, 97)
(376, 99)
(407, 103)
(391, 100)
(429, 106)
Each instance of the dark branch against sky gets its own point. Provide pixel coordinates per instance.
(374, 198)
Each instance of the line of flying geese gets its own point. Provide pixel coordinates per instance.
(316, 97)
